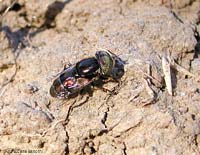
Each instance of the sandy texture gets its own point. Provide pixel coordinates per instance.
(42, 36)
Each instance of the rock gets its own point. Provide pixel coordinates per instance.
(195, 66)
(22, 117)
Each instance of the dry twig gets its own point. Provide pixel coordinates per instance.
(180, 68)
(148, 75)
(167, 74)
(149, 91)
(7, 9)
(167, 63)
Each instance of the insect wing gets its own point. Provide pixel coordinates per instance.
(58, 89)
(87, 67)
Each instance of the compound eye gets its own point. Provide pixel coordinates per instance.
(105, 61)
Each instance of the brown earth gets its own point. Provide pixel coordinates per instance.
(38, 37)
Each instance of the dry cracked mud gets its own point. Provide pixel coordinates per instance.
(141, 118)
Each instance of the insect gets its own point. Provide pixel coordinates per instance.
(73, 79)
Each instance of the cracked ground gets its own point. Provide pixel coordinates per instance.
(141, 118)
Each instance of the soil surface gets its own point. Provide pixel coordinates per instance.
(141, 117)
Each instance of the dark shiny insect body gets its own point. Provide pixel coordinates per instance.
(76, 77)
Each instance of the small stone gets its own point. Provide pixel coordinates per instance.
(31, 88)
